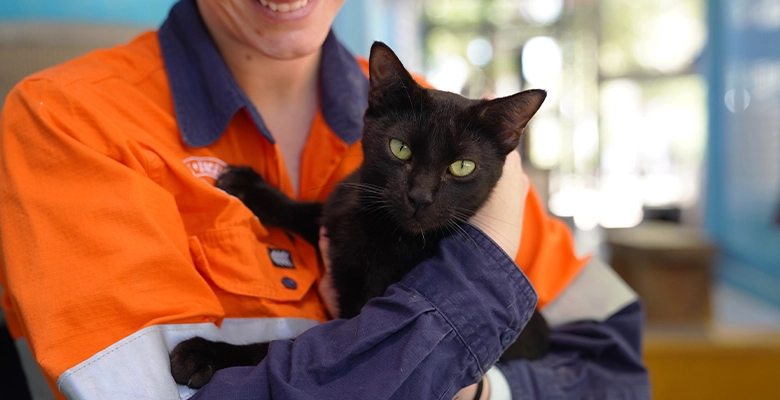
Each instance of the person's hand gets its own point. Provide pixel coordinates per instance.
(470, 392)
(501, 218)
(327, 292)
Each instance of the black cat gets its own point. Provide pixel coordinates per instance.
(431, 159)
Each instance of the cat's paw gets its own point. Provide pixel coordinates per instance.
(237, 181)
(193, 362)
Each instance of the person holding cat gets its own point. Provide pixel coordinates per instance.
(115, 245)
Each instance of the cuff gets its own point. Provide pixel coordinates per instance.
(479, 290)
(499, 386)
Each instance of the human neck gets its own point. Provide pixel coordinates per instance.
(271, 83)
(286, 93)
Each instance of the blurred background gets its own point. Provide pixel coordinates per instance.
(659, 143)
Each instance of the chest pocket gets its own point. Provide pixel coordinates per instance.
(234, 260)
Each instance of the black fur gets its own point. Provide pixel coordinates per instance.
(389, 214)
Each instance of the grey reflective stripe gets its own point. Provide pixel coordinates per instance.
(137, 366)
(39, 388)
(595, 294)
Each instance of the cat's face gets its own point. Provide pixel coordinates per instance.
(435, 155)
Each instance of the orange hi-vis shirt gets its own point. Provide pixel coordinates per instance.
(109, 221)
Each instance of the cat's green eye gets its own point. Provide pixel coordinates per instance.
(462, 167)
(400, 149)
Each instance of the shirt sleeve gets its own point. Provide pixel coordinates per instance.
(587, 360)
(92, 248)
(438, 330)
(595, 350)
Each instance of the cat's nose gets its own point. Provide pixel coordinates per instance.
(420, 199)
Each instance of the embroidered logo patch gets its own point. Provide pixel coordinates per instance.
(205, 166)
(281, 258)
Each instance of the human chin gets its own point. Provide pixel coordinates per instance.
(293, 33)
(290, 45)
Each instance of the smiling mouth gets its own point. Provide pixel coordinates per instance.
(284, 7)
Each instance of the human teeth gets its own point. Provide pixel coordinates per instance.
(285, 7)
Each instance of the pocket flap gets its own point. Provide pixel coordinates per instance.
(237, 262)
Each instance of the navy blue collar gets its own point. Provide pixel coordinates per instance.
(206, 96)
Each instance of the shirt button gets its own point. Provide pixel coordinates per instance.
(508, 337)
(289, 283)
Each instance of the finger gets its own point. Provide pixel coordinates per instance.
(467, 393)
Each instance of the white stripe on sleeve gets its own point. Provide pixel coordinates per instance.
(138, 367)
(595, 294)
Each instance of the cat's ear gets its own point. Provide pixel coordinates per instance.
(389, 82)
(509, 115)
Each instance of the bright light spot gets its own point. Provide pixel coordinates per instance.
(655, 141)
(620, 201)
(479, 52)
(661, 190)
(586, 215)
(563, 203)
(585, 142)
(737, 103)
(669, 42)
(449, 73)
(542, 61)
(545, 142)
(567, 104)
(507, 85)
(541, 12)
(619, 158)
(565, 198)
(576, 197)
(621, 105)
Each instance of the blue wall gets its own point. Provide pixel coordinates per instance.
(130, 12)
(743, 158)
(356, 24)
(360, 22)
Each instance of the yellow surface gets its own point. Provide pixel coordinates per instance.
(714, 365)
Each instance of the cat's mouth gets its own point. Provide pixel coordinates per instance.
(420, 222)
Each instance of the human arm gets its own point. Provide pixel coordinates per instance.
(434, 327)
(418, 341)
(96, 262)
(104, 279)
(587, 359)
(596, 322)
(596, 335)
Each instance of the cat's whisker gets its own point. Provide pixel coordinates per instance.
(373, 195)
(364, 186)
(459, 216)
(383, 209)
(487, 227)
(376, 207)
(463, 234)
(493, 218)
(360, 185)
(485, 219)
